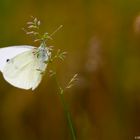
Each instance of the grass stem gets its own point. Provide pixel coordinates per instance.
(66, 111)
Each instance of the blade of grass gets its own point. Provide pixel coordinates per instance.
(66, 111)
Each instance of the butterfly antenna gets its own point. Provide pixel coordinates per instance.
(56, 30)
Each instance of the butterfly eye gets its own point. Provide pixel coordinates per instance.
(7, 60)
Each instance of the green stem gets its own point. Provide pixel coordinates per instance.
(66, 111)
(68, 116)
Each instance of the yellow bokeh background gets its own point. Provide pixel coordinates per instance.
(102, 38)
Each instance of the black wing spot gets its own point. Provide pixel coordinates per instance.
(7, 60)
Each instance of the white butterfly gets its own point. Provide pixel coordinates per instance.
(22, 66)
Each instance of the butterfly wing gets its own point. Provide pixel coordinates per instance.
(9, 52)
(22, 71)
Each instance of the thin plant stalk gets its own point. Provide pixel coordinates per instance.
(66, 111)
(33, 29)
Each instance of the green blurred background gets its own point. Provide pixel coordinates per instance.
(102, 38)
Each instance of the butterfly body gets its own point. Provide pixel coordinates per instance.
(43, 56)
